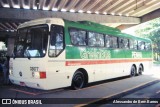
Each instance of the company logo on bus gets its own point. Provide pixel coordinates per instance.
(94, 54)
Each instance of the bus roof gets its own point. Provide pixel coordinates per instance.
(86, 25)
(99, 28)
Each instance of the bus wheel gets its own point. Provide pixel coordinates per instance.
(78, 80)
(140, 70)
(133, 71)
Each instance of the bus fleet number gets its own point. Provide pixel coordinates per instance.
(34, 68)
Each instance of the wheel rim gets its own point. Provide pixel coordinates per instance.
(78, 80)
(133, 72)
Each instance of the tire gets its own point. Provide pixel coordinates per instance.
(140, 70)
(133, 71)
(78, 80)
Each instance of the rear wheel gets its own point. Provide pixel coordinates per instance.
(140, 70)
(78, 80)
(133, 71)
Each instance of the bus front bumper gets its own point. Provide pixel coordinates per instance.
(33, 83)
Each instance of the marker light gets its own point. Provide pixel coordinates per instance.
(42, 75)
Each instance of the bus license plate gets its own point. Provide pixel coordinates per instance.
(22, 84)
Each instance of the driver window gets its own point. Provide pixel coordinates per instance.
(56, 41)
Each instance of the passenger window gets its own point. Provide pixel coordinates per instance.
(121, 42)
(113, 42)
(147, 46)
(131, 44)
(135, 45)
(108, 41)
(78, 37)
(126, 43)
(95, 39)
(141, 45)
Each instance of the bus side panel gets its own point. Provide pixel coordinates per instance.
(58, 74)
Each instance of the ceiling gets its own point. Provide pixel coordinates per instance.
(127, 8)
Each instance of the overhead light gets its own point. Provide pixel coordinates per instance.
(72, 10)
(26, 7)
(54, 9)
(12, 30)
(105, 13)
(6, 5)
(120, 14)
(16, 6)
(113, 13)
(89, 12)
(63, 10)
(127, 14)
(97, 12)
(35, 8)
(45, 8)
(80, 11)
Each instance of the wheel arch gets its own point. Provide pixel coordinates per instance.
(141, 64)
(135, 67)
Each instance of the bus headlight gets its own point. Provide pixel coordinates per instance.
(39, 75)
(10, 71)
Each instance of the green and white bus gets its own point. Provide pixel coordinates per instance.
(52, 53)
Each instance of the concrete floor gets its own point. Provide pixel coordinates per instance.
(66, 97)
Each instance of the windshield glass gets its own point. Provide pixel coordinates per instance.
(31, 41)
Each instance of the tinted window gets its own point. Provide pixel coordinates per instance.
(123, 43)
(95, 39)
(78, 37)
(114, 43)
(108, 41)
(147, 46)
(131, 44)
(141, 45)
(135, 45)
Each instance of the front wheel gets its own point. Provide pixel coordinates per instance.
(78, 80)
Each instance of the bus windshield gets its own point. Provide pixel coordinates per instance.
(31, 41)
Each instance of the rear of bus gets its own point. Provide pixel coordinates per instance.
(29, 64)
